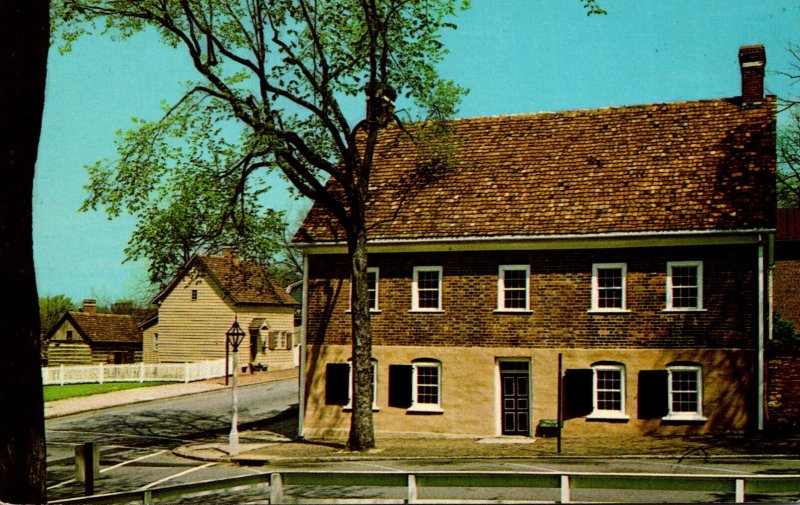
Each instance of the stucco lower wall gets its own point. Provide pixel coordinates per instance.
(470, 397)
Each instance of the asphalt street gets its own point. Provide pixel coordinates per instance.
(136, 440)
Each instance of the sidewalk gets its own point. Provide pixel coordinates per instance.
(274, 444)
(70, 406)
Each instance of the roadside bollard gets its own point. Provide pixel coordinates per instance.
(87, 465)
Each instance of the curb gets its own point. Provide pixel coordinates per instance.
(186, 452)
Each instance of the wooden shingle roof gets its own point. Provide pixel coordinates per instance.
(678, 167)
(105, 328)
(243, 281)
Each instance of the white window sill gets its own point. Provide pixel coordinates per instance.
(371, 311)
(349, 408)
(608, 311)
(426, 311)
(608, 415)
(425, 409)
(684, 417)
(513, 311)
(685, 310)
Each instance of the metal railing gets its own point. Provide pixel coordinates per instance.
(136, 372)
(740, 486)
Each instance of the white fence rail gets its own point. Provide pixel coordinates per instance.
(414, 486)
(137, 372)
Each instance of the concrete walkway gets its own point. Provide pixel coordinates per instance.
(70, 406)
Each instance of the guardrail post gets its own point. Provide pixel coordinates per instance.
(564, 489)
(739, 490)
(411, 494)
(275, 488)
(147, 497)
(87, 465)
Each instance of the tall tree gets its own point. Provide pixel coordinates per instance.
(187, 197)
(284, 72)
(24, 40)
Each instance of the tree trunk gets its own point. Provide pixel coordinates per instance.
(24, 40)
(362, 436)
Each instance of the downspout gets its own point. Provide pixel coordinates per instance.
(303, 325)
(761, 297)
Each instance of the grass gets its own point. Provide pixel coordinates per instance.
(52, 393)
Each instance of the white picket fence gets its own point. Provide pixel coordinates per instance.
(137, 372)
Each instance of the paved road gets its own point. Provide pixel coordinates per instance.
(136, 440)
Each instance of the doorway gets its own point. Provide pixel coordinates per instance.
(515, 398)
(254, 341)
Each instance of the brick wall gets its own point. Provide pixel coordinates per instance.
(560, 297)
(786, 279)
(783, 389)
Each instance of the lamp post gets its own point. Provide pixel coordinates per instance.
(234, 336)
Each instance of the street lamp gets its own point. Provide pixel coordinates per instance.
(234, 337)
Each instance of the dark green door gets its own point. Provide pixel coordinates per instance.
(515, 391)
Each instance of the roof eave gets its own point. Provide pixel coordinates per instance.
(483, 241)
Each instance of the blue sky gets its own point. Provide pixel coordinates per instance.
(515, 56)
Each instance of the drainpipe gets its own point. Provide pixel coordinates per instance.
(761, 297)
(303, 325)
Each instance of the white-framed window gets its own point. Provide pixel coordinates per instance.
(155, 342)
(194, 295)
(513, 288)
(373, 276)
(69, 335)
(685, 392)
(426, 386)
(685, 285)
(426, 289)
(609, 287)
(608, 398)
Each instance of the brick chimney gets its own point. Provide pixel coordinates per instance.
(752, 60)
(90, 306)
(380, 102)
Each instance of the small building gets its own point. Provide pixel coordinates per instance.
(86, 337)
(199, 306)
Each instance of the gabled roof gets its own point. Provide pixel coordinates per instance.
(102, 328)
(243, 281)
(677, 167)
(788, 226)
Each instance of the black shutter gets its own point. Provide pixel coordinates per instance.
(400, 385)
(337, 389)
(578, 391)
(653, 402)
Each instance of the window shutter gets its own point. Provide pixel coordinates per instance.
(578, 392)
(289, 339)
(337, 388)
(400, 385)
(652, 394)
(273, 337)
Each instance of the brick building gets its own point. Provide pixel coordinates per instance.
(631, 242)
